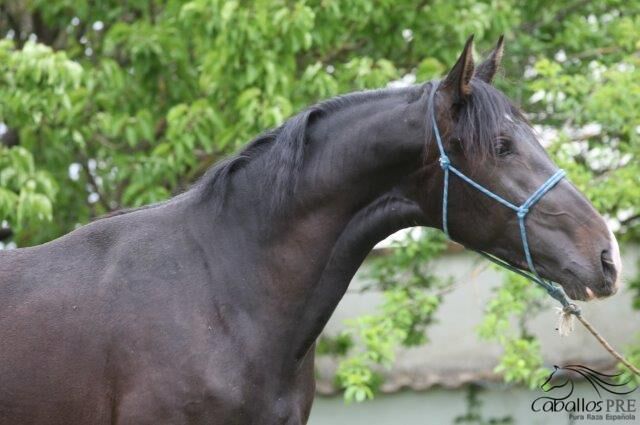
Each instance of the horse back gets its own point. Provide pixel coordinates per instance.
(82, 315)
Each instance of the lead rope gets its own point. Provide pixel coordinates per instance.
(606, 345)
(569, 310)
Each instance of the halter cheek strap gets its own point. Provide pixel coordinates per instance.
(521, 211)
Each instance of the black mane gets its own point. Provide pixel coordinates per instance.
(479, 123)
(283, 148)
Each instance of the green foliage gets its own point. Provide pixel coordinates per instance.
(602, 165)
(26, 194)
(141, 97)
(522, 362)
(110, 104)
(334, 345)
(356, 376)
(516, 300)
(515, 297)
(411, 296)
(632, 354)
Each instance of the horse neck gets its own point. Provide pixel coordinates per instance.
(385, 215)
(354, 190)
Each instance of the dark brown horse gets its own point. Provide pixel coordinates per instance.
(205, 309)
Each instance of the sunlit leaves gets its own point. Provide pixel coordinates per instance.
(34, 81)
(26, 194)
(357, 378)
(522, 362)
(606, 99)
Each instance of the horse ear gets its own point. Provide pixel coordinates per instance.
(487, 69)
(458, 81)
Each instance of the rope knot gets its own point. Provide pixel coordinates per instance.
(572, 309)
(522, 212)
(444, 162)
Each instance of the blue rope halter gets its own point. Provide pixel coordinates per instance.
(554, 291)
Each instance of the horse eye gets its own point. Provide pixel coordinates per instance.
(503, 146)
(455, 144)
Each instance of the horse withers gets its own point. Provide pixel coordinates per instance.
(204, 309)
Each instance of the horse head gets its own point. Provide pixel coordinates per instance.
(491, 141)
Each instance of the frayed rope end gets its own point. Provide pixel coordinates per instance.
(566, 319)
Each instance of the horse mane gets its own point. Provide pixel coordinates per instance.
(282, 148)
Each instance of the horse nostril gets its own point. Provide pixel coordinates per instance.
(608, 269)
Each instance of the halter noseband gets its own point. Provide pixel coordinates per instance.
(555, 291)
